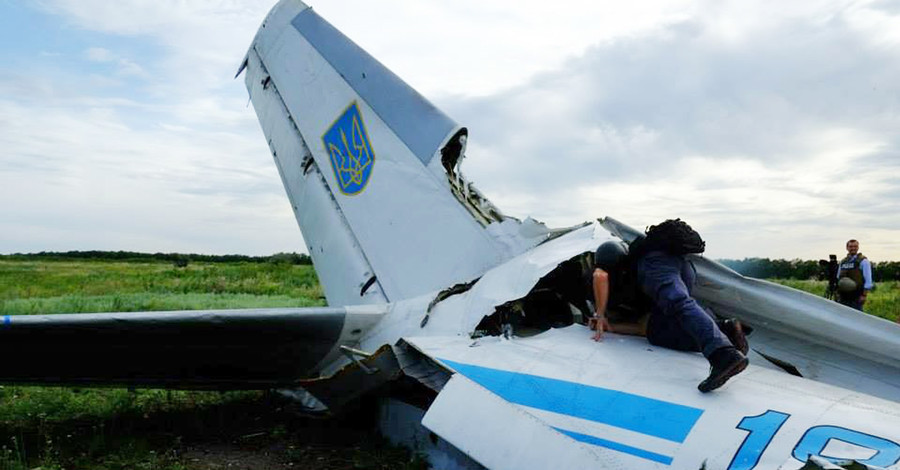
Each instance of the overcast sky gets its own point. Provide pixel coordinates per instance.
(772, 127)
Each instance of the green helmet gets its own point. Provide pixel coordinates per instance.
(846, 285)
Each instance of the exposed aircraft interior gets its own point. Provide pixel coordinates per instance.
(559, 299)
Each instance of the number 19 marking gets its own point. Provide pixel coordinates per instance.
(762, 430)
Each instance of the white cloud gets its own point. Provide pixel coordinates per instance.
(769, 125)
(127, 68)
(96, 182)
(99, 54)
(123, 67)
(774, 135)
(203, 42)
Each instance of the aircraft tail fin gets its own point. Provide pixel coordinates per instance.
(370, 166)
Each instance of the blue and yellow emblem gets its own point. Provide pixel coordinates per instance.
(350, 151)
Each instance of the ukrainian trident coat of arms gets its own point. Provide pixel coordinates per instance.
(350, 151)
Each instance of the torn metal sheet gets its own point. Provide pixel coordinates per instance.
(354, 380)
(819, 463)
(450, 291)
(514, 279)
(421, 367)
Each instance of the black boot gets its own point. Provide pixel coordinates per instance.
(734, 330)
(725, 363)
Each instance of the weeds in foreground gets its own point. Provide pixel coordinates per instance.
(252, 426)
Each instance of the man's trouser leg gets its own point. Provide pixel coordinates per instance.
(678, 322)
(851, 300)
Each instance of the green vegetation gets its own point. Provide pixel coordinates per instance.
(883, 302)
(765, 268)
(32, 287)
(56, 428)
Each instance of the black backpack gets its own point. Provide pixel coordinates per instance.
(673, 236)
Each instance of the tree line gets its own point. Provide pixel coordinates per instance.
(177, 258)
(762, 268)
(765, 268)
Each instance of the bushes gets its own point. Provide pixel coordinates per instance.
(765, 268)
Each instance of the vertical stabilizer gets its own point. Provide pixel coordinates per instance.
(370, 166)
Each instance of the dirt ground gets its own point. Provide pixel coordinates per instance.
(315, 445)
(272, 436)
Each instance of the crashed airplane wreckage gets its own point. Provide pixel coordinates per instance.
(466, 321)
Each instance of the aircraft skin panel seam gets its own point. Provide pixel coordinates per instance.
(420, 125)
(285, 112)
(374, 275)
(673, 421)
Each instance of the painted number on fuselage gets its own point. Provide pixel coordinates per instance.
(887, 453)
(763, 428)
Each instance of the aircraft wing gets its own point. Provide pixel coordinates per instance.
(559, 400)
(197, 349)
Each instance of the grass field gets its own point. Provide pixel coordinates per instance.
(56, 428)
(883, 301)
(30, 287)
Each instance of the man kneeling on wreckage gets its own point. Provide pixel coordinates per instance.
(654, 275)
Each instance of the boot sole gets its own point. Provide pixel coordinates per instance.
(709, 385)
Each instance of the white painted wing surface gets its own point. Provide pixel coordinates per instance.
(561, 398)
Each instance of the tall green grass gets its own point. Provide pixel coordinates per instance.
(57, 427)
(33, 287)
(883, 301)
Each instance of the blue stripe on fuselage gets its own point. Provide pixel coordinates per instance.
(649, 416)
(644, 454)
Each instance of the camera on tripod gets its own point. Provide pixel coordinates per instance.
(829, 270)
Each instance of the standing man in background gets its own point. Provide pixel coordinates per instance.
(854, 277)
